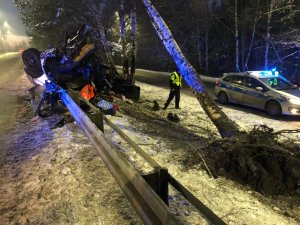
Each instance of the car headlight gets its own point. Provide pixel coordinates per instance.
(295, 101)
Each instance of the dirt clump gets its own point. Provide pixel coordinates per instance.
(258, 159)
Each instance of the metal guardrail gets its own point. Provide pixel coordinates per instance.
(148, 194)
(145, 201)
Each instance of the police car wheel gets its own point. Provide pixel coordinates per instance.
(273, 108)
(223, 97)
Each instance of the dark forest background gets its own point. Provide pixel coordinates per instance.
(216, 36)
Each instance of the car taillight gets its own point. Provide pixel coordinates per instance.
(218, 82)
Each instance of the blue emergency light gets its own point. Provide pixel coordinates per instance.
(271, 72)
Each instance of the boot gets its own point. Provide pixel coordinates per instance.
(165, 107)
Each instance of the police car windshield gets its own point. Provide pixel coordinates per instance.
(277, 83)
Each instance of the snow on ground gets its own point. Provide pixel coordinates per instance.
(52, 175)
(170, 144)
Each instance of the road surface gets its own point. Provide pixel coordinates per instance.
(12, 85)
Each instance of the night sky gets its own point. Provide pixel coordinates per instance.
(9, 13)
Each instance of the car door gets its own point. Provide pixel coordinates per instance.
(253, 97)
(235, 88)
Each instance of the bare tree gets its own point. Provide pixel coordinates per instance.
(133, 43)
(237, 54)
(207, 28)
(123, 39)
(252, 38)
(268, 36)
(225, 126)
(97, 8)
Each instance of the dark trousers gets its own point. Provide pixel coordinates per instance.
(174, 92)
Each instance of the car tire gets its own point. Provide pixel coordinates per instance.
(273, 108)
(223, 97)
(32, 62)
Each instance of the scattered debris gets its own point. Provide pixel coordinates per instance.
(156, 106)
(107, 107)
(59, 124)
(173, 117)
(258, 159)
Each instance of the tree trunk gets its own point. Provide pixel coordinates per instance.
(252, 37)
(268, 35)
(225, 126)
(199, 48)
(97, 9)
(133, 43)
(106, 47)
(250, 46)
(237, 67)
(207, 29)
(123, 39)
(243, 36)
(206, 51)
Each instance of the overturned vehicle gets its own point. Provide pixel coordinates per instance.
(74, 66)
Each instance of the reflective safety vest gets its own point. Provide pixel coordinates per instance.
(176, 79)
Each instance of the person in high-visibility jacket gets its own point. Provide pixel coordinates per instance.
(175, 86)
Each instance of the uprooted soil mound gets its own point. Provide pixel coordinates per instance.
(258, 159)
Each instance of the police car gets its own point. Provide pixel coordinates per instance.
(265, 90)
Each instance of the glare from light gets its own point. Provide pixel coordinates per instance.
(295, 101)
(294, 111)
(5, 24)
(271, 72)
(261, 73)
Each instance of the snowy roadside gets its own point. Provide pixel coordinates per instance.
(53, 176)
(171, 145)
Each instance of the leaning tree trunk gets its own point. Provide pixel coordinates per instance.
(123, 40)
(268, 35)
(225, 126)
(133, 43)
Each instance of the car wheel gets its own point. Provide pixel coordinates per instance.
(223, 97)
(31, 59)
(273, 108)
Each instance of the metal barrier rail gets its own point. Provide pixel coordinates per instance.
(145, 201)
(150, 201)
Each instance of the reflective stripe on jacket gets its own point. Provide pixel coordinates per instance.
(176, 79)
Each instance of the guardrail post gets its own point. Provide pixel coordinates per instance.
(159, 180)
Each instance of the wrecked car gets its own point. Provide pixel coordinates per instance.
(74, 66)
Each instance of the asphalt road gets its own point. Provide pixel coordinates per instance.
(10, 69)
(13, 85)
